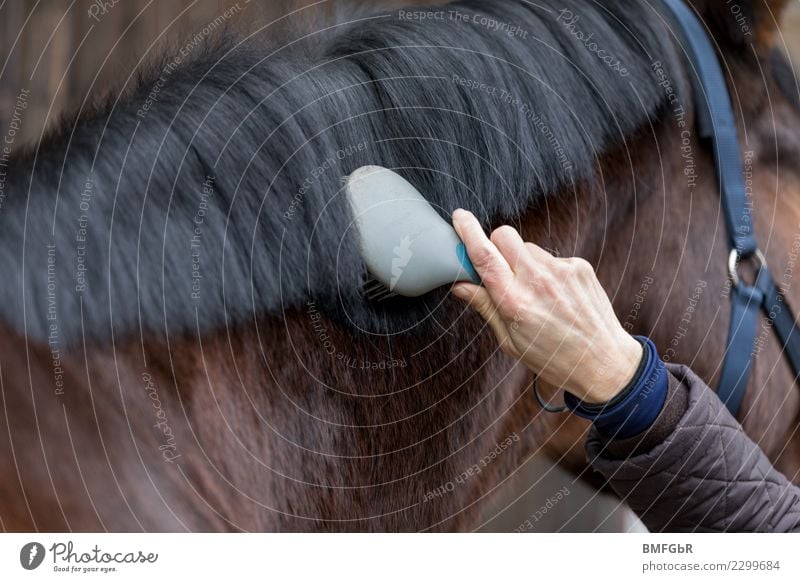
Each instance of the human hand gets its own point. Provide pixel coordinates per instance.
(550, 313)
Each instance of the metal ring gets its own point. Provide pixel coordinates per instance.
(547, 407)
(733, 264)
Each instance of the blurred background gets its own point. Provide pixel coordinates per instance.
(67, 51)
(64, 54)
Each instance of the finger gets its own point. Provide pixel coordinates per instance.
(476, 296)
(479, 299)
(510, 244)
(487, 259)
(538, 254)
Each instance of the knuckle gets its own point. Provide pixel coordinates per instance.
(489, 273)
(581, 266)
(503, 232)
(482, 258)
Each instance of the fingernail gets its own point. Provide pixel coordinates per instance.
(460, 292)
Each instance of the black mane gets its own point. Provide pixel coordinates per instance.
(253, 125)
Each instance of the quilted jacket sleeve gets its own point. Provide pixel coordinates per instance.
(706, 475)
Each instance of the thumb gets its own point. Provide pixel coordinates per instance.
(479, 299)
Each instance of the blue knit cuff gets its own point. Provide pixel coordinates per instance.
(640, 407)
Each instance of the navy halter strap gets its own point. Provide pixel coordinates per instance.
(716, 122)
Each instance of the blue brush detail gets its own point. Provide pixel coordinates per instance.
(463, 258)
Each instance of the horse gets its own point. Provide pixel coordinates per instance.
(186, 343)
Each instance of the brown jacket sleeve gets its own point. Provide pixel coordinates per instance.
(704, 475)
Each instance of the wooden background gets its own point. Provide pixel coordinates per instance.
(62, 55)
(64, 51)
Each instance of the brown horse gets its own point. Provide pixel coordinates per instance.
(297, 419)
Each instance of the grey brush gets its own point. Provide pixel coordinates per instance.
(407, 247)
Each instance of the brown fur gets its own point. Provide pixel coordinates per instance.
(275, 432)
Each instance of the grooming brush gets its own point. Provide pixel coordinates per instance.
(407, 247)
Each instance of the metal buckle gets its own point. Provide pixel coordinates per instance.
(734, 259)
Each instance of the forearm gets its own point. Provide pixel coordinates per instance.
(704, 475)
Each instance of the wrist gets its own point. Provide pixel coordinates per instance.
(636, 407)
(611, 378)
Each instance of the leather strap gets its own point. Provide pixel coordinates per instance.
(746, 304)
(783, 321)
(716, 122)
